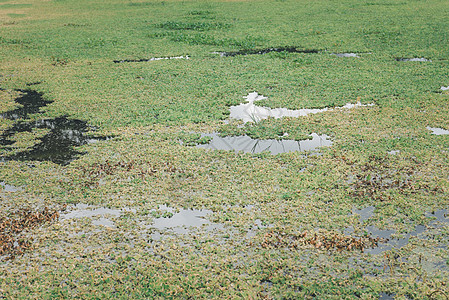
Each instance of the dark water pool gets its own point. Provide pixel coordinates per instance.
(57, 145)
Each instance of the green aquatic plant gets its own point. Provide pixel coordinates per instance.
(382, 156)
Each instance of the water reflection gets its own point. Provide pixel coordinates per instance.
(57, 145)
(30, 101)
(345, 54)
(150, 59)
(249, 112)
(185, 217)
(438, 131)
(8, 188)
(413, 59)
(386, 242)
(265, 51)
(81, 210)
(249, 145)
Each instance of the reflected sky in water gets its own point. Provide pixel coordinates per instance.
(249, 145)
(249, 112)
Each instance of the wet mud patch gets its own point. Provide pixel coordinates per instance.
(57, 145)
(13, 228)
(150, 59)
(266, 50)
(249, 145)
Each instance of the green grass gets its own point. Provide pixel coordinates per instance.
(69, 48)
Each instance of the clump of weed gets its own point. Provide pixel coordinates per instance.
(319, 240)
(379, 174)
(58, 61)
(140, 4)
(206, 39)
(198, 26)
(200, 13)
(193, 139)
(93, 173)
(12, 225)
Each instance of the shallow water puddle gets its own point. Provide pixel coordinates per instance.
(345, 54)
(182, 218)
(248, 112)
(249, 145)
(84, 211)
(150, 59)
(165, 217)
(31, 102)
(81, 210)
(387, 296)
(413, 59)
(441, 219)
(438, 131)
(394, 152)
(8, 187)
(364, 213)
(265, 51)
(57, 145)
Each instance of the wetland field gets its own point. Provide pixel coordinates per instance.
(258, 149)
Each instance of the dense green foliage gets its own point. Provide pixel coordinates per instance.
(93, 60)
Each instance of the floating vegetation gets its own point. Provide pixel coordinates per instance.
(249, 112)
(373, 178)
(57, 145)
(250, 145)
(94, 173)
(150, 59)
(266, 50)
(13, 241)
(318, 240)
(387, 242)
